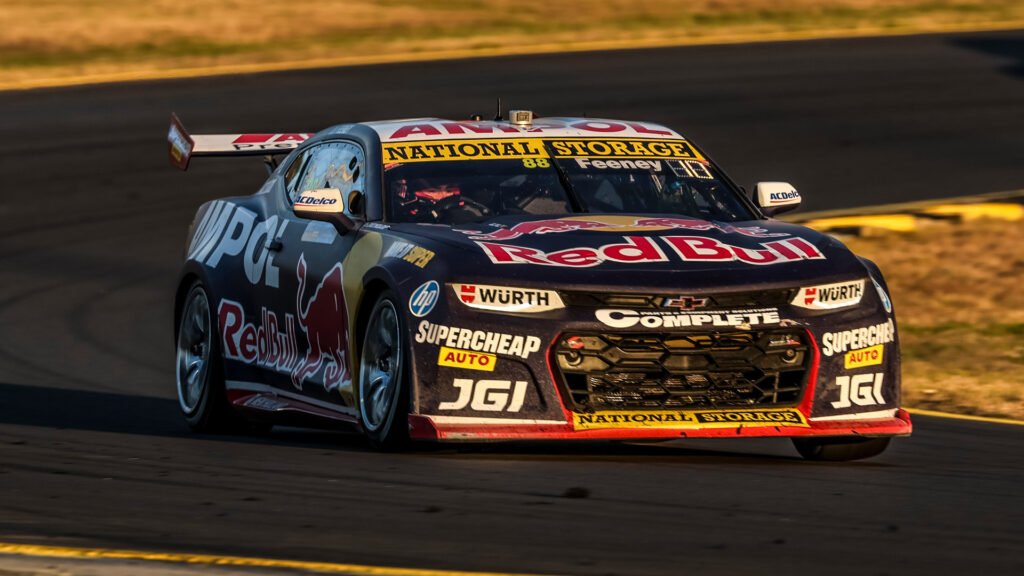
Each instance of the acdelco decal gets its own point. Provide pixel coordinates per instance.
(477, 340)
(642, 249)
(505, 299)
(646, 148)
(829, 296)
(839, 342)
(660, 319)
(870, 356)
(494, 149)
(688, 419)
(454, 358)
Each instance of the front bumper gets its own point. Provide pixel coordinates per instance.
(441, 429)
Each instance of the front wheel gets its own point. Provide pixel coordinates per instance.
(383, 390)
(840, 449)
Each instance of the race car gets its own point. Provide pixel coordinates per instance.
(522, 279)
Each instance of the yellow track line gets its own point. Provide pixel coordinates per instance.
(952, 416)
(548, 48)
(179, 558)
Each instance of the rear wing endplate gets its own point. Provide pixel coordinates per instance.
(182, 146)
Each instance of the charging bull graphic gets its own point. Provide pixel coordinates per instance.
(324, 319)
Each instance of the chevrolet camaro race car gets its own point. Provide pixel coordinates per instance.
(522, 279)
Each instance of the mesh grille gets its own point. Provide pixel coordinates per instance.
(616, 371)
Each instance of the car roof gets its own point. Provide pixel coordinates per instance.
(412, 129)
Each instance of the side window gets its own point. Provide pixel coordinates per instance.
(291, 175)
(338, 165)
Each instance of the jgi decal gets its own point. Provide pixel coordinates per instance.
(411, 253)
(664, 319)
(273, 345)
(487, 395)
(839, 342)
(643, 249)
(871, 356)
(454, 358)
(230, 230)
(477, 340)
(859, 390)
(506, 299)
(829, 296)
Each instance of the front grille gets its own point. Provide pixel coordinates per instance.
(759, 299)
(672, 371)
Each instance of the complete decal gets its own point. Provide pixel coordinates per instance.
(664, 319)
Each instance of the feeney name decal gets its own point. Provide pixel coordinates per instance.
(642, 249)
(496, 149)
(616, 224)
(477, 340)
(859, 390)
(662, 319)
(646, 148)
(487, 395)
(871, 356)
(839, 342)
(688, 419)
(470, 360)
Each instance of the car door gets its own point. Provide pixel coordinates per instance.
(314, 306)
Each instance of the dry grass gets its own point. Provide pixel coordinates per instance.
(55, 38)
(959, 300)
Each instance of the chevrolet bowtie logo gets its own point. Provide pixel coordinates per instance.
(684, 302)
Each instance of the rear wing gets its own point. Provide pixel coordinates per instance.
(182, 146)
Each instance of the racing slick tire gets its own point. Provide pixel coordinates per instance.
(384, 375)
(198, 371)
(840, 449)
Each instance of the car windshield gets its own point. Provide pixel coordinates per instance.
(456, 191)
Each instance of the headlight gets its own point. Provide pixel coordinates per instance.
(829, 296)
(505, 299)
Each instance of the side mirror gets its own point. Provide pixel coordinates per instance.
(774, 198)
(326, 205)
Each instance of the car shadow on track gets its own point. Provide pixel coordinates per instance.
(1006, 46)
(69, 409)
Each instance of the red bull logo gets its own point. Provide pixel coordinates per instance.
(324, 320)
(618, 224)
(273, 344)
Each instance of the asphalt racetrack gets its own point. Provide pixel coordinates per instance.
(93, 452)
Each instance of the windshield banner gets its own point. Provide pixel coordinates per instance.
(493, 149)
(645, 148)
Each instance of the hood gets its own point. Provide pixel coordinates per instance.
(637, 251)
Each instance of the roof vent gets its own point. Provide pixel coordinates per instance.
(520, 117)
